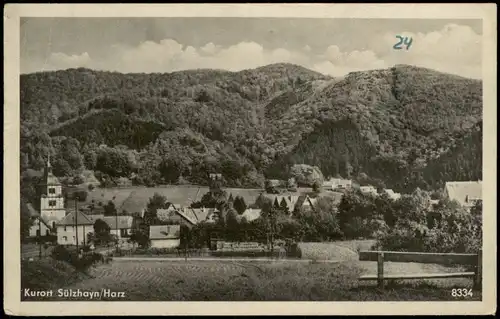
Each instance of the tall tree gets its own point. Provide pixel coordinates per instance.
(239, 204)
(110, 209)
(156, 202)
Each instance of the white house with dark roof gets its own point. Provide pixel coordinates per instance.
(165, 236)
(72, 224)
(466, 193)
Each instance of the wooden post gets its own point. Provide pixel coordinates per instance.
(478, 278)
(380, 270)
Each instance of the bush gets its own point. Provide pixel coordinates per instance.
(61, 253)
(77, 180)
(294, 251)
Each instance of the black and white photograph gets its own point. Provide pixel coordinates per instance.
(225, 158)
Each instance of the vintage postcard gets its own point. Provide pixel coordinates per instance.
(201, 159)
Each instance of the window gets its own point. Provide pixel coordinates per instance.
(123, 233)
(65, 229)
(65, 238)
(38, 232)
(52, 190)
(52, 203)
(46, 232)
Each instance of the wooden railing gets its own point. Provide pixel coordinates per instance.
(473, 260)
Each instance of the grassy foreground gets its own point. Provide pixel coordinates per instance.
(240, 281)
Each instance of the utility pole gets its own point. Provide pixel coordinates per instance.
(76, 223)
(40, 236)
(117, 234)
(272, 235)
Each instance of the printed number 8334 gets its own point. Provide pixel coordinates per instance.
(461, 292)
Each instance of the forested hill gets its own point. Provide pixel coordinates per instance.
(382, 126)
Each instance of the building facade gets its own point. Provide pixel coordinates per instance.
(164, 236)
(52, 200)
(72, 226)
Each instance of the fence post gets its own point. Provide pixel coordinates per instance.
(478, 278)
(380, 270)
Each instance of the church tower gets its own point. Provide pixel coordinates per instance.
(52, 200)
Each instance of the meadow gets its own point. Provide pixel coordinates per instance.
(134, 199)
(227, 280)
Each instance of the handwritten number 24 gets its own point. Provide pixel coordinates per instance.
(403, 40)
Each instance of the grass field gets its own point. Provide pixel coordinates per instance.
(251, 281)
(339, 250)
(134, 199)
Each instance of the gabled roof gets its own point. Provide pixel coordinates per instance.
(192, 215)
(463, 191)
(35, 215)
(82, 219)
(124, 222)
(290, 200)
(308, 201)
(164, 232)
(31, 210)
(202, 214)
(43, 221)
(95, 217)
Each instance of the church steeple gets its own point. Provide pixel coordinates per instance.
(49, 166)
(52, 200)
(49, 177)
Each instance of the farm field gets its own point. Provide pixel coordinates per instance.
(227, 280)
(134, 199)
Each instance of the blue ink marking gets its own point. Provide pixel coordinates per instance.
(403, 40)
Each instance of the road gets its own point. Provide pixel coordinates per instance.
(140, 258)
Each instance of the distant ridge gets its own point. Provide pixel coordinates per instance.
(384, 126)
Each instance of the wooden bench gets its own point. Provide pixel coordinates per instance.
(474, 260)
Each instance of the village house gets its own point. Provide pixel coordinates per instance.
(186, 215)
(288, 201)
(72, 224)
(338, 184)
(466, 193)
(165, 236)
(124, 228)
(392, 195)
(368, 190)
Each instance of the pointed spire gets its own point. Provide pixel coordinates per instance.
(48, 160)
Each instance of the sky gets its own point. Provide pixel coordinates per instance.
(330, 46)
